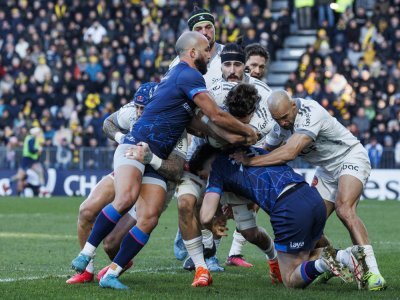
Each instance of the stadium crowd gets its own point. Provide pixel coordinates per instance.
(353, 70)
(66, 65)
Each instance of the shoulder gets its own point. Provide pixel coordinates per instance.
(261, 86)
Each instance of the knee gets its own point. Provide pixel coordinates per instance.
(249, 234)
(110, 244)
(86, 214)
(124, 201)
(148, 223)
(185, 207)
(345, 212)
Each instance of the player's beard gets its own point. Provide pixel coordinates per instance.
(201, 65)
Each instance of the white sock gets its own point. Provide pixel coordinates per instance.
(115, 272)
(89, 250)
(321, 266)
(370, 259)
(90, 267)
(344, 257)
(208, 239)
(270, 252)
(237, 243)
(195, 250)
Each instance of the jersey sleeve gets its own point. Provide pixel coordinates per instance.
(311, 120)
(191, 83)
(215, 180)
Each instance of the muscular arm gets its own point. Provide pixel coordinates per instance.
(288, 152)
(224, 119)
(110, 128)
(170, 168)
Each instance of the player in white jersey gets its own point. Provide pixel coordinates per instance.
(191, 187)
(257, 58)
(201, 20)
(115, 127)
(306, 129)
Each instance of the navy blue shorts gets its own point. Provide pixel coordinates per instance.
(298, 219)
(27, 162)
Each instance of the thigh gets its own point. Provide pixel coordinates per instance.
(151, 202)
(326, 184)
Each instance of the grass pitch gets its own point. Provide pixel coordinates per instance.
(38, 242)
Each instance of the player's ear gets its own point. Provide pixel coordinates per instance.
(193, 53)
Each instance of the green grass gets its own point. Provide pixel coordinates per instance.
(38, 242)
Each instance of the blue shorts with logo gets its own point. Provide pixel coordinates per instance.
(298, 219)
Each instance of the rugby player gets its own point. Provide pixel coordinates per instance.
(115, 127)
(304, 128)
(160, 126)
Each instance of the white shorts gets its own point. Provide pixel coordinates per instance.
(244, 216)
(121, 160)
(191, 184)
(356, 163)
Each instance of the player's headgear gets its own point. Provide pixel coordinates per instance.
(144, 93)
(200, 15)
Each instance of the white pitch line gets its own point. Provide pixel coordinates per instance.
(30, 235)
(148, 270)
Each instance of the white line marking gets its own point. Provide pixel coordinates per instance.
(30, 235)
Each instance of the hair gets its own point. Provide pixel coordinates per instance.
(232, 48)
(242, 100)
(200, 157)
(256, 49)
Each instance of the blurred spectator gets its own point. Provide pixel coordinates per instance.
(304, 13)
(63, 155)
(375, 151)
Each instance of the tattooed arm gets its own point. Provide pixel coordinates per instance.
(170, 168)
(113, 131)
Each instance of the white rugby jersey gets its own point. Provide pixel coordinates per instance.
(214, 72)
(126, 118)
(262, 118)
(331, 140)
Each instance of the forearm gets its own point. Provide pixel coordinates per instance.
(110, 129)
(228, 122)
(172, 168)
(279, 156)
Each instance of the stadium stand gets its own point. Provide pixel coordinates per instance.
(65, 65)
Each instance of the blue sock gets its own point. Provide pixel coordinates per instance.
(132, 243)
(308, 271)
(105, 223)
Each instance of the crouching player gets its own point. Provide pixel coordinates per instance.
(296, 210)
(114, 127)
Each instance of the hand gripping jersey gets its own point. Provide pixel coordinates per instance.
(262, 118)
(331, 140)
(171, 109)
(262, 185)
(214, 72)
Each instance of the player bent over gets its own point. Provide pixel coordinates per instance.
(296, 210)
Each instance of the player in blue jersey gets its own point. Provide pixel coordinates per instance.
(160, 126)
(297, 211)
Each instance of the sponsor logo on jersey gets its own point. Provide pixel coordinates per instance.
(351, 167)
(296, 245)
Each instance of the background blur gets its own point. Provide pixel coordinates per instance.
(65, 65)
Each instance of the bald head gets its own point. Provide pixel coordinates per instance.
(282, 108)
(189, 40)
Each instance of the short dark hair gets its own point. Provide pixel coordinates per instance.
(256, 49)
(200, 157)
(242, 100)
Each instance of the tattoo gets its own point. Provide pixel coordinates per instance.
(110, 129)
(172, 167)
(147, 157)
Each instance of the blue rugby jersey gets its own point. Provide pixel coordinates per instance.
(259, 184)
(170, 110)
